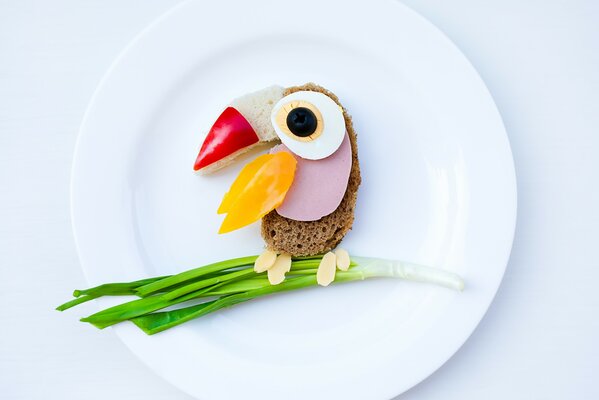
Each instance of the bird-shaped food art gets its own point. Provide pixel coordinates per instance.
(305, 188)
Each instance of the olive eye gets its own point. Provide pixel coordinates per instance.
(309, 123)
(301, 121)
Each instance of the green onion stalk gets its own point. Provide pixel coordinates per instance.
(226, 283)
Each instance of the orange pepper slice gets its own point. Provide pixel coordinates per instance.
(245, 176)
(259, 188)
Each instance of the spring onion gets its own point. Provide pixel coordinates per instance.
(231, 282)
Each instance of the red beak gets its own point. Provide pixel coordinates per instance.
(230, 136)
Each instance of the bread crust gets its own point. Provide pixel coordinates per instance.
(305, 238)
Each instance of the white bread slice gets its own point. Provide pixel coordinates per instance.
(256, 107)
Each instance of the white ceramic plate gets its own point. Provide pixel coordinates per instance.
(438, 188)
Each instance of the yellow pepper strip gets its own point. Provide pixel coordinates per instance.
(245, 175)
(252, 196)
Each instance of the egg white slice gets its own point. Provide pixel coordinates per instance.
(332, 125)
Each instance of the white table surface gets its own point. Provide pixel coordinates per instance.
(539, 339)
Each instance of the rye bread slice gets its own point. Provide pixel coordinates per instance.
(305, 238)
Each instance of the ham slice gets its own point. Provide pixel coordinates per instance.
(318, 186)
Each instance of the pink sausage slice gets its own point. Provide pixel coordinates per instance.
(318, 186)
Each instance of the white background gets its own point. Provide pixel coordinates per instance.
(540, 60)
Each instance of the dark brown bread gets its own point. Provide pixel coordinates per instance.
(304, 238)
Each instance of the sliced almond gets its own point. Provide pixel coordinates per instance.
(326, 270)
(265, 261)
(276, 273)
(342, 259)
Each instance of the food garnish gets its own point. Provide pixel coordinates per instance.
(234, 281)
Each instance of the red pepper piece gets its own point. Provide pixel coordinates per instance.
(231, 133)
